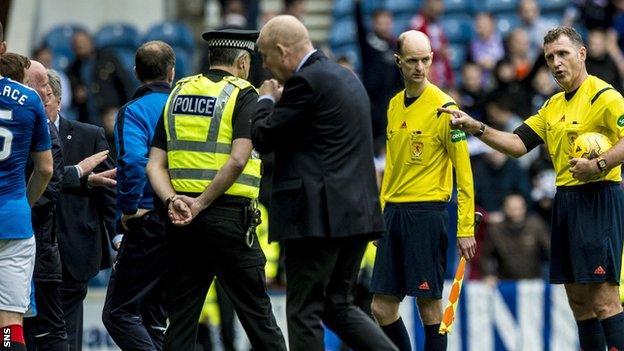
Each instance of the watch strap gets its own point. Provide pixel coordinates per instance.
(481, 130)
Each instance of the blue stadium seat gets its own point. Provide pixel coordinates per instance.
(117, 35)
(401, 23)
(458, 28)
(506, 23)
(342, 8)
(407, 7)
(59, 41)
(184, 63)
(60, 37)
(352, 52)
(61, 61)
(553, 18)
(459, 6)
(122, 40)
(125, 55)
(457, 55)
(369, 6)
(552, 5)
(498, 6)
(173, 33)
(342, 32)
(457, 73)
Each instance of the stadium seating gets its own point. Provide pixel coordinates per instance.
(180, 37)
(122, 39)
(173, 33)
(59, 41)
(371, 5)
(553, 18)
(342, 8)
(506, 23)
(184, 64)
(352, 52)
(117, 35)
(553, 5)
(403, 6)
(459, 6)
(342, 32)
(498, 6)
(401, 23)
(457, 55)
(458, 28)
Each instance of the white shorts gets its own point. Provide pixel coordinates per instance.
(17, 261)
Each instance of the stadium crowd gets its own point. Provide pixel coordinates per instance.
(493, 68)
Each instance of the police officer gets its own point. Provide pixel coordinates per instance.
(201, 166)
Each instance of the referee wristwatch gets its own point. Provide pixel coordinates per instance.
(481, 130)
(602, 164)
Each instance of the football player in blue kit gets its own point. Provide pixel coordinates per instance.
(23, 133)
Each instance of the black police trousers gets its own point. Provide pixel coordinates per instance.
(213, 244)
(46, 331)
(134, 313)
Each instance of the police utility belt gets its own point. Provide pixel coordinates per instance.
(198, 123)
(248, 215)
(251, 220)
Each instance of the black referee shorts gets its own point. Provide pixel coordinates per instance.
(587, 233)
(411, 257)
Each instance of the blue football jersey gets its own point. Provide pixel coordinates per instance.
(23, 129)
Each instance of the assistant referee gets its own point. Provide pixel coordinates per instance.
(422, 152)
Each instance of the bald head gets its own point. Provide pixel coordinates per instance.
(36, 68)
(285, 30)
(415, 40)
(414, 59)
(38, 79)
(283, 42)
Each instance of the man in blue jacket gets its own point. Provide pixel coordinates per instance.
(133, 312)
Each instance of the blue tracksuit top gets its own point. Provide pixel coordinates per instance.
(134, 131)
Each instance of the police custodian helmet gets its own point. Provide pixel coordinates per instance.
(232, 38)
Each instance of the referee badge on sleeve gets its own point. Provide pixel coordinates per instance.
(620, 121)
(457, 135)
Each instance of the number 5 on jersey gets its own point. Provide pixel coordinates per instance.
(5, 135)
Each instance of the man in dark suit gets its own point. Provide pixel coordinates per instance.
(46, 330)
(84, 222)
(324, 202)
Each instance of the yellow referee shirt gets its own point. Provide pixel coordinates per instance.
(594, 107)
(421, 152)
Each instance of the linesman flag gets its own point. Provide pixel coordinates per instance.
(453, 300)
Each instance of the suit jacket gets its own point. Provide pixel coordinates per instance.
(85, 216)
(47, 257)
(320, 132)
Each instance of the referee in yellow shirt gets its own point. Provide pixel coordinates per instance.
(422, 151)
(588, 213)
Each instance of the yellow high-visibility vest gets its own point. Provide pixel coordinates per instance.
(198, 123)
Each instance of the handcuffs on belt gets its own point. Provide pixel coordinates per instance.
(252, 218)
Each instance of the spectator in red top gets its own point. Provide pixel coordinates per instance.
(426, 21)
